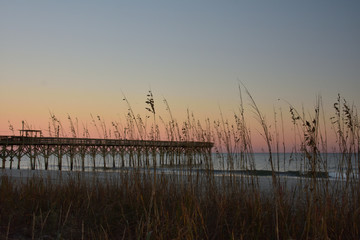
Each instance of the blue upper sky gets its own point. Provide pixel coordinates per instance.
(191, 52)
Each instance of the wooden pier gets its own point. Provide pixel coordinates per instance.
(122, 152)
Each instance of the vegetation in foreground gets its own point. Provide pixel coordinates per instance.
(136, 208)
(140, 206)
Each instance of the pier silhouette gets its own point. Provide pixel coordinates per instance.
(122, 152)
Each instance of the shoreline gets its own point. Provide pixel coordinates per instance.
(265, 183)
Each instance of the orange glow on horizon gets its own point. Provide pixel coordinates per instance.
(96, 126)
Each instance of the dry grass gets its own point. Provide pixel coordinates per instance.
(127, 208)
(143, 205)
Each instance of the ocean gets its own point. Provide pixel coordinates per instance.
(326, 165)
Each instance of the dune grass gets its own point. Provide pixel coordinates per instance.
(192, 205)
(133, 207)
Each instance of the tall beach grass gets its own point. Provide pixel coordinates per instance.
(143, 204)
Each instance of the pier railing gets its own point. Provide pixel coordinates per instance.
(19, 140)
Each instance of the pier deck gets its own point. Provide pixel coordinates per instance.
(20, 140)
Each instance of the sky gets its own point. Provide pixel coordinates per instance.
(83, 57)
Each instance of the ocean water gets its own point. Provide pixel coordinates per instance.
(332, 165)
(329, 165)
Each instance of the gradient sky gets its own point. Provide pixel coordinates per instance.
(78, 57)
